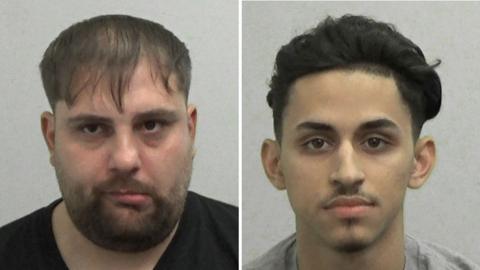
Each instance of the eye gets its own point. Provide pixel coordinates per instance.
(375, 143)
(317, 144)
(151, 126)
(92, 129)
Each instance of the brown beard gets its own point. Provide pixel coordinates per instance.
(147, 228)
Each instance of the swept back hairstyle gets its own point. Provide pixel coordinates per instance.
(358, 43)
(109, 47)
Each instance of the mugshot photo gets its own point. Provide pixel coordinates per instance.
(323, 181)
(109, 118)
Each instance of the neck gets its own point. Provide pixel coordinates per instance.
(74, 248)
(386, 252)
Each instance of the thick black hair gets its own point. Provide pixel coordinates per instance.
(358, 43)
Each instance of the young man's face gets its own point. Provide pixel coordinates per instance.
(346, 157)
(123, 175)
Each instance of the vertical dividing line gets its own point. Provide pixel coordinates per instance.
(240, 91)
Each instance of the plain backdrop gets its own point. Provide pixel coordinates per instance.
(445, 210)
(210, 31)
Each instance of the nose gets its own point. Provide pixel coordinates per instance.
(124, 157)
(347, 173)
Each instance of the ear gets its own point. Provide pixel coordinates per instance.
(192, 126)
(47, 120)
(192, 120)
(271, 163)
(425, 156)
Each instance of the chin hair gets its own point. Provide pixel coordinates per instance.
(352, 247)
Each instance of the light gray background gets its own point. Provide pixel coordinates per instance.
(210, 30)
(445, 210)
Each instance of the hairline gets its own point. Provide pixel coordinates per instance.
(350, 68)
(94, 78)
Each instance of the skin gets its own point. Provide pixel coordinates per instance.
(124, 151)
(347, 134)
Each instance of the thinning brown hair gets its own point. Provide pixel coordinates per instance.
(109, 47)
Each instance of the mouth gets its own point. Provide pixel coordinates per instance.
(128, 197)
(345, 207)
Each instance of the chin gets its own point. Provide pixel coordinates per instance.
(352, 247)
(353, 240)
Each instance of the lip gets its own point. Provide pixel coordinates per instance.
(127, 197)
(349, 206)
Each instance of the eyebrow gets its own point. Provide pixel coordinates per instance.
(369, 125)
(88, 118)
(318, 126)
(382, 123)
(165, 114)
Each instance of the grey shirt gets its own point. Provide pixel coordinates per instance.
(419, 255)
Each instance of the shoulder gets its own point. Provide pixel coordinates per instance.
(427, 255)
(214, 218)
(206, 238)
(279, 257)
(23, 238)
(18, 229)
(211, 210)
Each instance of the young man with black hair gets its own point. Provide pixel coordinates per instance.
(121, 139)
(349, 99)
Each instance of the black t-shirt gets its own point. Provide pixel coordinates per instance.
(206, 238)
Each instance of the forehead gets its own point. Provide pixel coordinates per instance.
(345, 100)
(145, 90)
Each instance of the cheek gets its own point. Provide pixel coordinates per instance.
(168, 158)
(78, 164)
(78, 172)
(171, 148)
(388, 178)
(306, 183)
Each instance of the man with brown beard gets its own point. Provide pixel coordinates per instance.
(121, 136)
